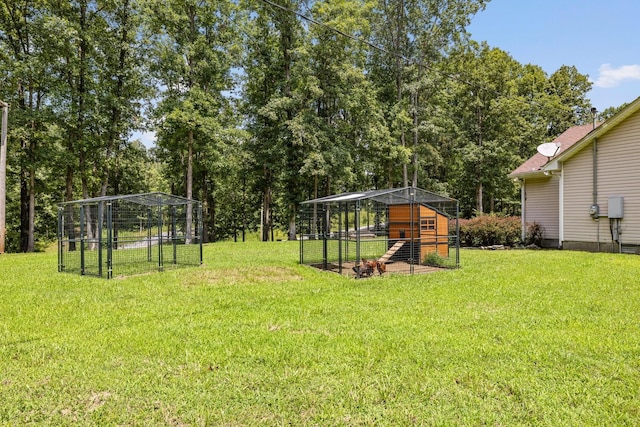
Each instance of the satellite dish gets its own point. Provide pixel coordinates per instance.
(549, 149)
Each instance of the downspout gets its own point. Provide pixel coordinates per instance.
(594, 112)
(523, 199)
(595, 190)
(561, 208)
(356, 223)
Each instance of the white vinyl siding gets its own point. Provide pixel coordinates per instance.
(618, 174)
(542, 204)
(578, 196)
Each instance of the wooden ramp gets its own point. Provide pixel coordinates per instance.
(392, 250)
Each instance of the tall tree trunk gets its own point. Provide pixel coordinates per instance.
(205, 209)
(399, 81)
(88, 215)
(68, 198)
(32, 211)
(32, 177)
(24, 211)
(416, 135)
(286, 45)
(212, 212)
(116, 109)
(479, 188)
(189, 186)
(315, 232)
(479, 198)
(24, 182)
(266, 210)
(82, 93)
(292, 222)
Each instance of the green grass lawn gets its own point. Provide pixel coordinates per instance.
(252, 338)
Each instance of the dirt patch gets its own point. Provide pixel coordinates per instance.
(232, 276)
(396, 267)
(96, 400)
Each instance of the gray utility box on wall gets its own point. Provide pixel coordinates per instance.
(616, 207)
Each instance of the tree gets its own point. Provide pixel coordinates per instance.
(611, 111)
(272, 39)
(415, 36)
(568, 89)
(328, 126)
(124, 88)
(488, 113)
(26, 85)
(193, 49)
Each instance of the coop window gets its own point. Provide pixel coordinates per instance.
(427, 224)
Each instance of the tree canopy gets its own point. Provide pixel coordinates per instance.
(258, 105)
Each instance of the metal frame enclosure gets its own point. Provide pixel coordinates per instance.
(130, 234)
(408, 229)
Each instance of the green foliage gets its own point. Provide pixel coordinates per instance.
(252, 338)
(256, 109)
(502, 110)
(435, 259)
(488, 230)
(568, 88)
(195, 45)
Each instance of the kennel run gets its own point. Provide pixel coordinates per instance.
(130, 234)
(409, 230)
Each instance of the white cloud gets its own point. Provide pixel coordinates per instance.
(611, 77)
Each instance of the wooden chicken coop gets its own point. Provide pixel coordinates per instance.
(401, 230)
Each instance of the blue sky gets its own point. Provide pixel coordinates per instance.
(600, 38)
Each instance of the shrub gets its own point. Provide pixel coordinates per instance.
(436, 260)
(535, 234)
(488, 230)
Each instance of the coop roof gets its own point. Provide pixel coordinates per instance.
(145, 199)
(390, 196)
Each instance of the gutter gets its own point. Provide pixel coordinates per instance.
(595, 171)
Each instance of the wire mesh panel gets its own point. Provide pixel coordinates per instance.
(385, 231)
(124, 235)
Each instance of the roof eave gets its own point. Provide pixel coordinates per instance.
(552, 166)
(598, 132)
(524, 175)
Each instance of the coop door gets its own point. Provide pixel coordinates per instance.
(433, 235)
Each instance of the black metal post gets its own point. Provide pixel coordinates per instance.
(100, 214)
(325, 237)
(340, 238)
(412, 225)
(60, 237)
(160, 260)
(109, 240)
(346, 227)
(173, 234)
(201, 229)
(149, 225)
(457, 235)
(301, 232)
(357, 225)
(82, 239)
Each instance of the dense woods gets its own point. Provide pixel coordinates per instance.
(258, 105)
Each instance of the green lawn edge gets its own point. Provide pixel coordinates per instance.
(517, 337)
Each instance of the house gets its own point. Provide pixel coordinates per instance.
(587, 195)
